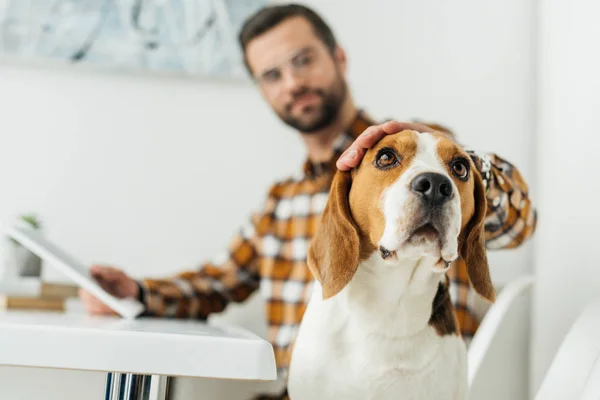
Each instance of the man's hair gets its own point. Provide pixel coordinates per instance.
(268, 17)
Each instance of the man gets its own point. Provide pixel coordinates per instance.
(300, 70)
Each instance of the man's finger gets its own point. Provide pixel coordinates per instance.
(355, 152)
(94, 306)
(100, 309)
(391, 127)
(106, 273)
(84, 295)
(369, 137)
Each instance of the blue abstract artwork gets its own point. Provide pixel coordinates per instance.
(188, 37)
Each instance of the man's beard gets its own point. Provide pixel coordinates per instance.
(328, 112)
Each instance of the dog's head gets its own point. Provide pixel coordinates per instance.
(413, 195)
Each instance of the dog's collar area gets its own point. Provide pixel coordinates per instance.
(442, 265)
(385, 253)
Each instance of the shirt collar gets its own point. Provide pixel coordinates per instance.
(361, 122)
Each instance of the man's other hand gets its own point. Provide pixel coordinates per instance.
(115, 282)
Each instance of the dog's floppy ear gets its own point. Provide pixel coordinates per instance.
(333, 254)
(473, 249)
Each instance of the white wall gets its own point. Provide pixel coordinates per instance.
(567, 268)
(129, 170)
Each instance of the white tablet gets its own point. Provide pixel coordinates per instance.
(49, 252)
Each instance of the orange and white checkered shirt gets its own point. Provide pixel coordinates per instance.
(269, 253)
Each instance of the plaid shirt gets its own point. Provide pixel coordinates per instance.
(269, 253)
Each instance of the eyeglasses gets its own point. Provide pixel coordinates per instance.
(300, 64)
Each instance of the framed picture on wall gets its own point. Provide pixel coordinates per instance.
(187, 37)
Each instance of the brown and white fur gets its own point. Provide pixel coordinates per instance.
(380, 323)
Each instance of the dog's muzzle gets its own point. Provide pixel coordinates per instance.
(428, 220)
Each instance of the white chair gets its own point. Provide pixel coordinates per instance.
(498, 354)
(574, 373)
(592, 388)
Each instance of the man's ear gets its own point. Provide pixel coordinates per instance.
(340, 57)
(333, 254)
(473, 249)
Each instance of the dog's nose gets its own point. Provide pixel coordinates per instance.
(435, 188)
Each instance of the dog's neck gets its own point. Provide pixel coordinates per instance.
(397, 294)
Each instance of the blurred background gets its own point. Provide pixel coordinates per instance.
(126, 157)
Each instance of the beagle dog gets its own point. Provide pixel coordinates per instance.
(380, 323)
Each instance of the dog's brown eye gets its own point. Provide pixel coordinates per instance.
(386, 158)
(460, 168)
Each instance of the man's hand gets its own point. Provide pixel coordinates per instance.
(373, 134)
(114, 281)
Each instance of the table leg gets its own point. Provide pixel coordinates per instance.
(121, 386)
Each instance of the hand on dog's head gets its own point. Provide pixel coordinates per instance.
(412, 195)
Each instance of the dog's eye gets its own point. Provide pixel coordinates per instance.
(386, 158)
(460, 168)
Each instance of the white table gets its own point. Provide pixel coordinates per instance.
(133, 351)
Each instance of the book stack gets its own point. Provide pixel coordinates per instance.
(34, 294)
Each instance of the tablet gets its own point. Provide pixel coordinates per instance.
(51, 253)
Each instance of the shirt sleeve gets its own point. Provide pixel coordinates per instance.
(511, 217)
(196, 294)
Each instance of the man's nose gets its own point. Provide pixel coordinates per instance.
(291, 81)
(435, 188)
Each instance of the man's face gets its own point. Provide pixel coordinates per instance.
(298, 76)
